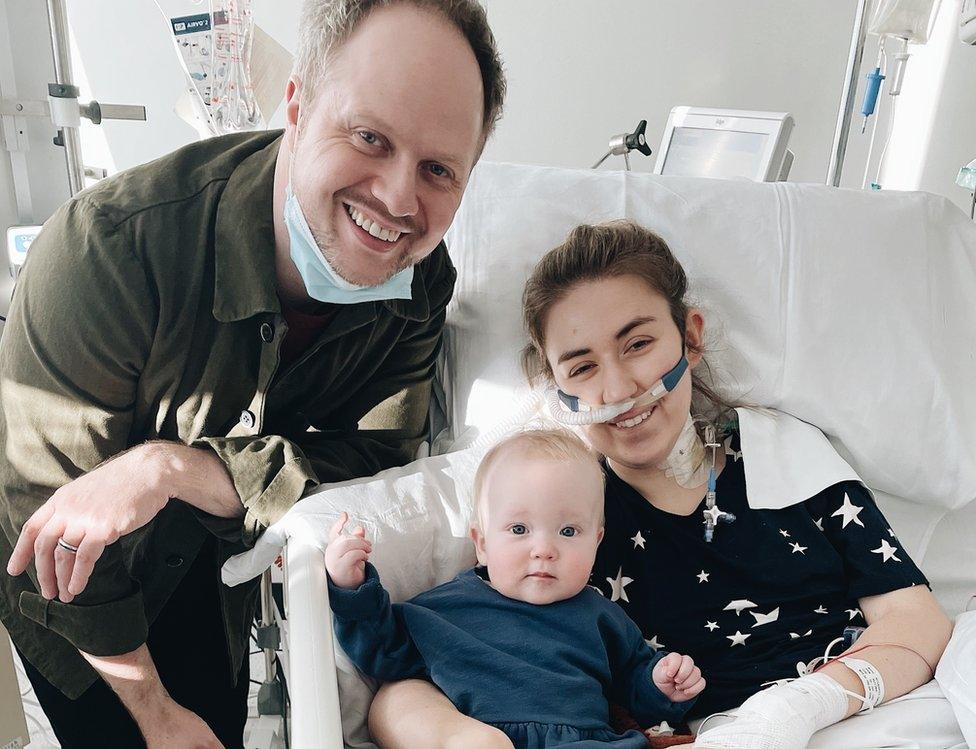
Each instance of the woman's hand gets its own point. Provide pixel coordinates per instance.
(678, 678)
(346, 556)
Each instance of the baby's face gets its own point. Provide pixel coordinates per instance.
(542, 523)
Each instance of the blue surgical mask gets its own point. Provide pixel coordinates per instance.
(321, 280)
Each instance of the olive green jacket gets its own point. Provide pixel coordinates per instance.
(147, 310)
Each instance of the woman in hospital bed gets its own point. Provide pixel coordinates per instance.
(757, 606)
(520, 642)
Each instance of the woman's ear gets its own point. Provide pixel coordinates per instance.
(694, 336)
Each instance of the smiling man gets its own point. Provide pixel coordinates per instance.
(196, 342)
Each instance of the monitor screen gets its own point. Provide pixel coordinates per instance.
(726, 154)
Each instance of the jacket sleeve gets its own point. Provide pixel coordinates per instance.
(76, 339)
(384, 423)
(632, 663)
(373, 632)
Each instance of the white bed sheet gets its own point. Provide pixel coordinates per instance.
(956, 674)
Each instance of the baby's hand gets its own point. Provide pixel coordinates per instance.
(345, 556)
(678, 678)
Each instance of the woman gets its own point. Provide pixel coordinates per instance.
(607, 319)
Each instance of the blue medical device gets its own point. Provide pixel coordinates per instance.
(875, 80)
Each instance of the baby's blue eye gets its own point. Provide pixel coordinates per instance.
(568, 531)
(519, 530)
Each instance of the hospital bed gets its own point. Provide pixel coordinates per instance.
(854, 311)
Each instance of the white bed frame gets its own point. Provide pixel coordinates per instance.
(312, 684)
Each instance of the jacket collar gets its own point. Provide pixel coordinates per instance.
(416, 308)
(244, 278)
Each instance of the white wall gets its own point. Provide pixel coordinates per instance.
(580, 71)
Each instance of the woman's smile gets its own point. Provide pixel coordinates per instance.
(633, 418)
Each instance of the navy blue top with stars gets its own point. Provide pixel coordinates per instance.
(770, 591)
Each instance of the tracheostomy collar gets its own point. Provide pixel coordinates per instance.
(571, 411)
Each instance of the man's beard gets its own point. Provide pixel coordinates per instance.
(327, 243)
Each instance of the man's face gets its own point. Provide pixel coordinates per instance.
(385, 147)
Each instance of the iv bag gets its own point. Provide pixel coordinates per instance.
(908, 19)
(213, 40)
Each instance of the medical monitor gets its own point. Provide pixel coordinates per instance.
(726, 144)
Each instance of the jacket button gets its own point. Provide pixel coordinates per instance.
(247, 419)
(174, 560)
(267, 332)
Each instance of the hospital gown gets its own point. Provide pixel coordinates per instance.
(766, 596)
(542, 674)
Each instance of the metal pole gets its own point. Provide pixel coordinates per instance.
(57, 18)
(839, 148)
(267, 619)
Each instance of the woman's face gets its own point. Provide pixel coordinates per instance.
(610, 340)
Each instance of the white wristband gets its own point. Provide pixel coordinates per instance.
(870, 677)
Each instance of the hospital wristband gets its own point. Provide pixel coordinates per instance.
(870, 677)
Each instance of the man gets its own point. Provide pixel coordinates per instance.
(196, 342)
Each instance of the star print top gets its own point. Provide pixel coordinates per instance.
(771, 590)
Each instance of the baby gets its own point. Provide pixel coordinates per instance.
(521, 642)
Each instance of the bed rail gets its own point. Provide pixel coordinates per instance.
(312, 684)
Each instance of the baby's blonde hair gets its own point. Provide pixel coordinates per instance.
(551, 444)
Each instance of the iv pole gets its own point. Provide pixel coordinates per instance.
(62, 88)
(62, 106)
(839, 148)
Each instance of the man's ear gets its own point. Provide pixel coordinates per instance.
(292, 101)
(694, 336)
(479, 545)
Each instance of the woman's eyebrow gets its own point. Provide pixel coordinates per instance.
(633, 324)
(636, 322)
(573, 354)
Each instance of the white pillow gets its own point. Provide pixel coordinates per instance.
(850, 310)
(956, 674)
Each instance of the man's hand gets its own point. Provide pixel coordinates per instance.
(90, 513)
(162, 721)
(346, 556)
(678, 678)
(177, 726)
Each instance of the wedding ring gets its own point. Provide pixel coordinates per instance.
(66, 546)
